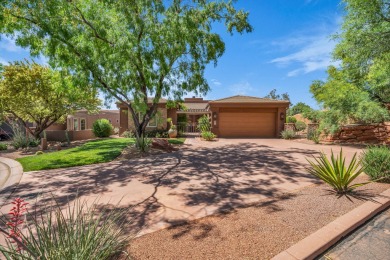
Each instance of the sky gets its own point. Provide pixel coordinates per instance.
(290, 47)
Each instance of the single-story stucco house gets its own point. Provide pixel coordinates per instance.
(236, 116)
(79, 125)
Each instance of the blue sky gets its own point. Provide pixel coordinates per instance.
(288, 49)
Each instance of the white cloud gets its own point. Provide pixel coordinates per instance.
(3, 61)
(9, 44)
(216, 82)
(309, 50)
(313, 53)
(241, 88)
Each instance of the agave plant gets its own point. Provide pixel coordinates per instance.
(336, 173)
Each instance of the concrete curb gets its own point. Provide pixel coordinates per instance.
(318, 242)
(11, 172)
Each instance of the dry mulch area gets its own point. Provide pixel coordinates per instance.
(259, 231)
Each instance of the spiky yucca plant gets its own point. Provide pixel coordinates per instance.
(336, 173)
(79, 231)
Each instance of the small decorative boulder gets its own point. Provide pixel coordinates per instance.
(162, 144)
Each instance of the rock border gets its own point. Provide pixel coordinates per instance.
(317, 243)
(14, 172)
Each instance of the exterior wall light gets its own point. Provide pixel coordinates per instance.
(282, 116)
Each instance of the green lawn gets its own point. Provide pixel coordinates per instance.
(179, 140)
(97, 151)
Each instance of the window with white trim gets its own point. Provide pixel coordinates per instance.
(75, 124)
(82, 124)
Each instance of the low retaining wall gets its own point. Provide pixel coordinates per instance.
(374, 133)
(60, 135)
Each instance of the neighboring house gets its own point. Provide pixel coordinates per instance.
(79, 125)
(237, 116)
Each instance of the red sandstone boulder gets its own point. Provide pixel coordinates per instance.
(163, 144)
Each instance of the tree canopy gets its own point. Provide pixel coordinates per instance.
(130, 49)
(359, 89)
(299, 108)
(273, 95)
(36, 94)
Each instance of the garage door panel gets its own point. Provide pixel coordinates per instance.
(247, 124)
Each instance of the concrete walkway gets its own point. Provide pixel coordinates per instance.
(10, 174)
(201, 179)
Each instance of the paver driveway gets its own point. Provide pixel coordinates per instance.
(200, 179)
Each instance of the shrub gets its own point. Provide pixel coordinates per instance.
(314, 135)
(77, 232)
(158, 133)
(291, 120)
(376, 162)
(300, 126)
(335, 173)
(143, 143)
(208, 136)
(128, 134)
(3, 147)
(204, 124)
(288, 134)
(39, 153)
(102, 128)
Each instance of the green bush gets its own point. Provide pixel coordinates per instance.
(376, 162)
(3, 147)
(204, 124)
(335, 173)
(291, 120)
(300, 126)
(102, 128)
(77, 232)
(158, 133)
(143, 143)
(208, 136)
(288, 134)
(39, 153)
(314, 135)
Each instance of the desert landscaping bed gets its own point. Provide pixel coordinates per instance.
(259, 231)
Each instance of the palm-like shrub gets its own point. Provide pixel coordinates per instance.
(102, 128)
(336, 173)
(376, 162)
(79, 232)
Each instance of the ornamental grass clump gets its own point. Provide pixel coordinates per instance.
(376, 162)
(77, 232)
(336, 173)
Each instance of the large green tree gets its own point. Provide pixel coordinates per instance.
(359, 89)
(36, 94)
(130, 49)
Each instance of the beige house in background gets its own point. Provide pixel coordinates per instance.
(79, 125)
(236, 116)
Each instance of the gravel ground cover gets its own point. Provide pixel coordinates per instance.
(259, 231)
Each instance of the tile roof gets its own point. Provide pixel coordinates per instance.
(194, 107)
(247, 99)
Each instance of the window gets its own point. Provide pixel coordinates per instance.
(82, 124)
(152, 122)
(75, 124)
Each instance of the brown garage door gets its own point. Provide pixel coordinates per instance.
(243, 124)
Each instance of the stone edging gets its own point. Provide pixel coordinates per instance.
(11, 172)
(318, 242)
